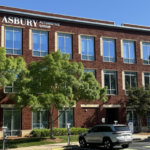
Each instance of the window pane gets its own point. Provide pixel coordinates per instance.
(44, 119)
(16, 120)
(17, 40)
(36, 120)
(113, 81)
(9, 39)
(112, 49)
(125, 51)
(61, 44)
(107, 81)
(68, 45)
(133, 81)
(127, 80)
(62, 120)
(91, 47)
(7, 118)
(105, 49)
(69, 117)
(149, 52)
(84, 46)
(145, 53)
(44, 42)
(146, 82)
(131, 47)
(36, 42)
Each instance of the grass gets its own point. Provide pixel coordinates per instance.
(35, 141)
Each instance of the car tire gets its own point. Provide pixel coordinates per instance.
(82, 142)
(125, 146)
(107, 144)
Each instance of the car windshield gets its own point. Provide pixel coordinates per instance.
(121, 128)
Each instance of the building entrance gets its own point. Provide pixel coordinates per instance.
(12, 120)
(111, 115)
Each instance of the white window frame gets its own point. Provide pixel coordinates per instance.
(84, 36)
(40, 42)
(146, 76)
(129, 51)
(64, 36)
(109, 50)
(10, 87)
(110, 80)
(13, 39)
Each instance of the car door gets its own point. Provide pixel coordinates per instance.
(91, 136)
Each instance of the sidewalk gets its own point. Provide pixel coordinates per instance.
(136, 137)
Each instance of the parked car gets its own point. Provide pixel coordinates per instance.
(107, 135)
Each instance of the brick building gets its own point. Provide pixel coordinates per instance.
(115, 54)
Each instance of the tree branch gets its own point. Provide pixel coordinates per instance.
(58, 116)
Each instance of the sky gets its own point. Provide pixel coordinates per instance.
(118, 11)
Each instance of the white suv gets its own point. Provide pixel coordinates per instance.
(107, 135)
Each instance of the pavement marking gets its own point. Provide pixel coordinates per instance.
(128, 149)
(147, 146)
(62, 148)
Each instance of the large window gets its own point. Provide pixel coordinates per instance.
(146, 53)
(40, 43)
(66, 117)
(90, 70)
(13, 41)
(87, 48)
(147, 80)
(131, 80)
(65, 43)
(129, 52)
(109, 50)
(110, 82)
(40, 119)
(12, 120)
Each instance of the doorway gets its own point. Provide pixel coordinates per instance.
(111, 115)
(12, 120)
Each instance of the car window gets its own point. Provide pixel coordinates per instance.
(95, 129)
(101, 129)
(104, 129)
(121, 128)
(108, 129)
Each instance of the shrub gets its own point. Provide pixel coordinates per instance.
(36, 132)
(45, 132)
(57, 131)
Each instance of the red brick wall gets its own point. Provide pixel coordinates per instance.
(81, 117)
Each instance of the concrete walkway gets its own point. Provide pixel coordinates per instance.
(61, 146)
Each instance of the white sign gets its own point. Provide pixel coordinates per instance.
(103, 120)
(130, 124)
(28, 22)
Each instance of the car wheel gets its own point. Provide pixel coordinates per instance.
(125, 146)
(82, 143)
(108, 144)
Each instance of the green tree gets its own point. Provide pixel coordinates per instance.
(9, 68)
(55, 83)
(139, 99)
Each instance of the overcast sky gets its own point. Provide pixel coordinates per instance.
(118, 11)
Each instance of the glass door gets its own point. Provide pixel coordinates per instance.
(132, 117)
(12, 120)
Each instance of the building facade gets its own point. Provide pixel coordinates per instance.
(115, 54)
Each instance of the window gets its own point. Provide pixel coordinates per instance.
(66, 117)
(65, 43)
(40, 43)
(95, 129)
(121, 128)
(109, 50)
(147, 80)
(13, 41)
(146, 53)
(40, 119)
(128, 52)
(90, 70)
(12, 120)
(131, 79)
(87, 48)
(110, 82)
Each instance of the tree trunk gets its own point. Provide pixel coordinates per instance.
(140, 124)
(51, 123)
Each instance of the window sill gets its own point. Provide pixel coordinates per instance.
(87, 60)
(14, 54)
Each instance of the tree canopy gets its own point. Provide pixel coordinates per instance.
(10, 67)
(55, 83)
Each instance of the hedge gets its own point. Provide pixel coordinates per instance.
(57, 131)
